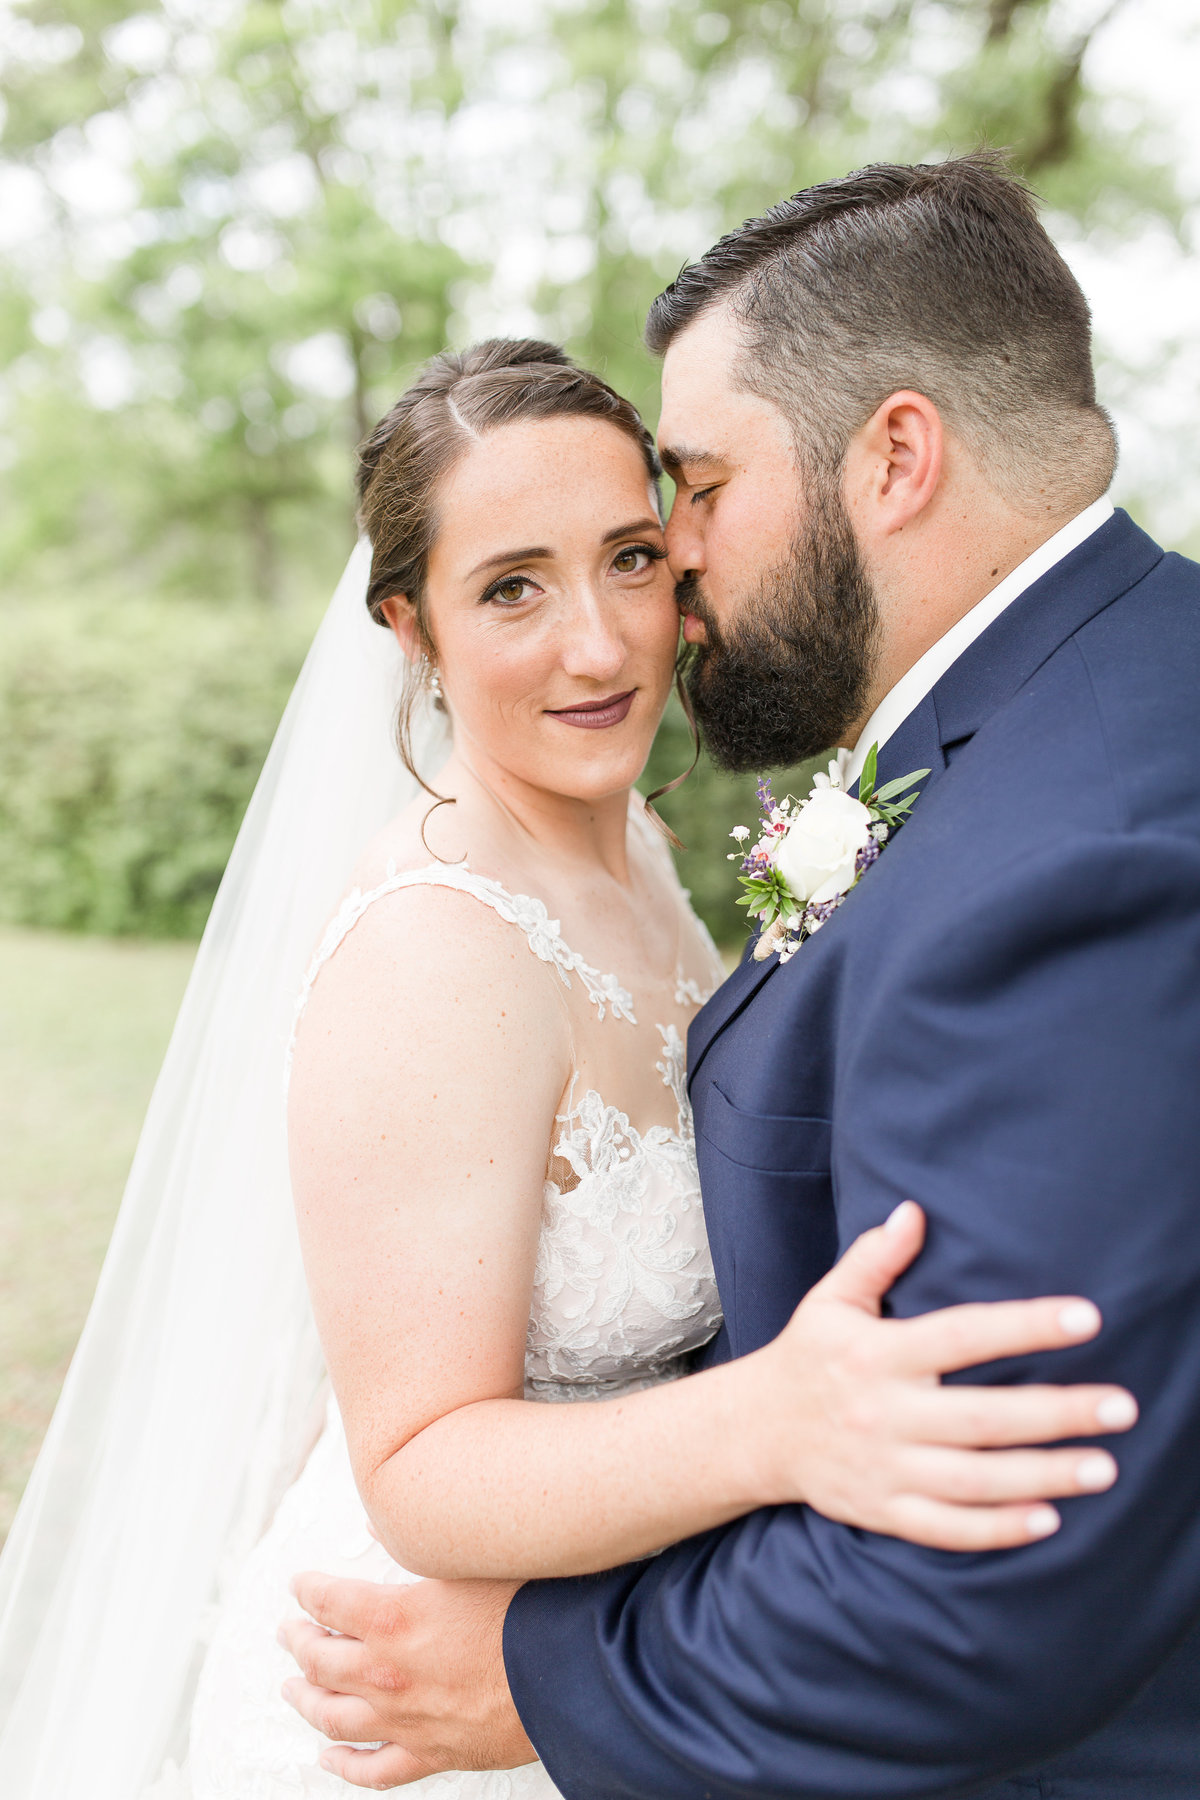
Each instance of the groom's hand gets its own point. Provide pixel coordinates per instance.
(418, 1669)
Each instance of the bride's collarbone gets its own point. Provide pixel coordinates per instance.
(635, 932)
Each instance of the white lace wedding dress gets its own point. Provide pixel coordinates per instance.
(624, 1291)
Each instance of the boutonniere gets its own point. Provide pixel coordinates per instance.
(810, 853)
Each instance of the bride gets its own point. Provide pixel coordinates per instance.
(490, 1157)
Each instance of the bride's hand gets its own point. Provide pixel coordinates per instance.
(854, 1419)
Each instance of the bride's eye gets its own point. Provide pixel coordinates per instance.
(509, 590)
(634, 559)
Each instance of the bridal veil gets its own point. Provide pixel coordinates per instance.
(186, 1407)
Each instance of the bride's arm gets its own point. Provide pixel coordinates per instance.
(430, 1063)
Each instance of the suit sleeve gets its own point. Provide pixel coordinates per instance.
(1028, 1073)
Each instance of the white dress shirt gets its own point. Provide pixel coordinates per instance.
(928, 670)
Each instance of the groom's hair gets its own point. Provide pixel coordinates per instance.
(938, 277)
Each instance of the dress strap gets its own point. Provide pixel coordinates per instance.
(522, 910)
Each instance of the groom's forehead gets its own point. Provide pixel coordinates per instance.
(709, 414)
(697, 393)
(701, 358)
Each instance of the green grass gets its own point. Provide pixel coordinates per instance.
(83, 1026)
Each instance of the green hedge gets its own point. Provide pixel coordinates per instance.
(131, 737)
(130, 741)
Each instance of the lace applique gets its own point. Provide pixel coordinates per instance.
(672, 1066)
(623, 1264)
(542, 934)
(689, 991)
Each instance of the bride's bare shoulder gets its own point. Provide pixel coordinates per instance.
(420, 942)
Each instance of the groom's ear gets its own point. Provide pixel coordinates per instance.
(894, 463)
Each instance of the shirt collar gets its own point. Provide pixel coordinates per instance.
(928, 670)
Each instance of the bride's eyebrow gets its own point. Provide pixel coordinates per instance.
(537, 552)
(623, 531)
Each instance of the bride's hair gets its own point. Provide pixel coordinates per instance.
(457, 397)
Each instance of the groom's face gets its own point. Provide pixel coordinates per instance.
(770, 581)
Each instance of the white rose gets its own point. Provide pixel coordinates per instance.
(816, 855)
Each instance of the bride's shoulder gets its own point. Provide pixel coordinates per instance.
(420, 980)
(424, 938)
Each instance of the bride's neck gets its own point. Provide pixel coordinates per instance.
(590, 835)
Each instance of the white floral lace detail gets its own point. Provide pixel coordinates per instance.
(689, 991)
(529, 915)
(624, 1283)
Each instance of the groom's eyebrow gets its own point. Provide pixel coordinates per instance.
(677, 457)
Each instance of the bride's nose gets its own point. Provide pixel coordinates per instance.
(592, 647)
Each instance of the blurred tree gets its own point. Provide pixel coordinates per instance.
(688, 116)
(255, 216)
(252, 218)
(202, 363)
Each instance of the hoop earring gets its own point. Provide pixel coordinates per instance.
(685, 701)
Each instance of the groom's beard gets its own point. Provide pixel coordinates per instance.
(791, 673)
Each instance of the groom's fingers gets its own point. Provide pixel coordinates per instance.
(329, 1662)
(958, 1337)
(997, 1417)
(390, 1767)
(355, 1608)
(333, 1715)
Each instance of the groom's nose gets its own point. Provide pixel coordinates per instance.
(685, 541)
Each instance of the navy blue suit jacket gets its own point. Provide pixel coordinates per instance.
(1002, 1021)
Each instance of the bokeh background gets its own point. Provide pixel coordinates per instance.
(229, 231)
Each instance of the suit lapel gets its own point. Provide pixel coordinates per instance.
(916, 744)
(724, 1006)
(992, 670)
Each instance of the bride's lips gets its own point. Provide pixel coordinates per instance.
(595, 715)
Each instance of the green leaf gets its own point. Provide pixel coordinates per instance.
(866, 781)
(891, 788)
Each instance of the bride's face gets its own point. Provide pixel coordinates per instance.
(551, 606)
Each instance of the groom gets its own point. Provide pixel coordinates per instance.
(890, 529)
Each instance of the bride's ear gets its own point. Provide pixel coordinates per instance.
(401, 615)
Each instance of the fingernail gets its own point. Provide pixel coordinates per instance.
(896, 1217)
(1042, 1521)
(1117, 1411)
(1080, 1319)
(1096, 1471)
(326, 1763)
